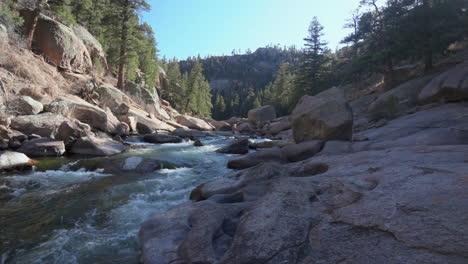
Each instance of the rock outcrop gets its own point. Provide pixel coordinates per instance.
(193, 122)
(324, 210)
(262, 114)
(451, 85)
(326, 116)
(60, 45)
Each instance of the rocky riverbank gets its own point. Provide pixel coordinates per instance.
(394, 191)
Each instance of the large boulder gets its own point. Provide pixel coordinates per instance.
(60, 45)
(110, 96)
(26, 105)
(10, 160)
(94, 146)
(157, 138)
(326, 116)
(245, 127)
(147, 125)
(77, 108)
(45, 124)
(43, 147)
(193, 122)
(451, 85)
(93, 46)
(261, 114)
(240, 146)
(70, 131)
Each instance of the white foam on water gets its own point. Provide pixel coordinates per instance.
(115, 240)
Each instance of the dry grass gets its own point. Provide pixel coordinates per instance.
(21, 69)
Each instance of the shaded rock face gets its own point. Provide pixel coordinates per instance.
(193, 122)
(43, 147)
(10, 160)
(161, 138)
(59, 44)
(26, 105)
(93, 146)
(240, 146)
(261, 114)
(244, 128)
(45, 124)
(394, 102)
(451, 85)
(326, 116)
(325, 209)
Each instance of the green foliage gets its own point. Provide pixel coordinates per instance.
(313, 72)
(188, 93)
(9, 15)
(281, 91)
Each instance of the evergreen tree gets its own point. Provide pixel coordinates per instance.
(312, 72)
(281, 91)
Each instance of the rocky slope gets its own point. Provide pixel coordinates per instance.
(58, 93)
(394, 191)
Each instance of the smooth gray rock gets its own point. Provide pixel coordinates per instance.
(94, 146)
(26, 105)
(42, 147)
(161, 138)
(240, 146)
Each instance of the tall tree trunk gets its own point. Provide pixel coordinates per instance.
(123, 45)
(35, 18)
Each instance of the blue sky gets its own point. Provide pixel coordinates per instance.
(214, 27)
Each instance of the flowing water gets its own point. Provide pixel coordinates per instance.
(66, 215)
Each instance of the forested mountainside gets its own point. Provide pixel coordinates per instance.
(233, 77)
(390, 42)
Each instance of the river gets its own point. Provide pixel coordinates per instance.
(84, 215)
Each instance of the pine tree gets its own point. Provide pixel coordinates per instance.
(281, 91)
(220, 107)
(128, 9)
(311, 73)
